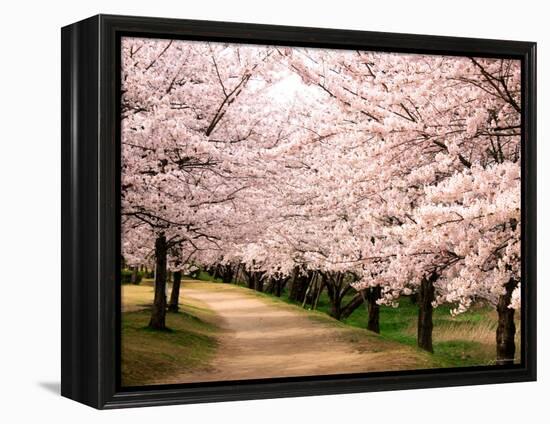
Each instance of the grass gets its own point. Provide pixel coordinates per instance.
(465, 340)
(149, 356)
(204, 276)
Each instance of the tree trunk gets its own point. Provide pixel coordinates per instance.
(249, 278)
(506, 328)
(158, 311)
(373, 295)
(335, 311)
(254, 280)
(134, 276)
(173, 306)
(237, 274)
(211, 271)
(259, 281)
(299, 286)
(352, 305)
(333, 282)
(227, 274)
(293, 288)
(270, 287)
(332, 297)
(426, 296)
(308, 298)
(278, 287)
(318, 293)
(216, 272)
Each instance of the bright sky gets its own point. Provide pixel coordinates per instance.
(286, 89)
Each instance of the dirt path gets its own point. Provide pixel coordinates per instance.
(263, 338)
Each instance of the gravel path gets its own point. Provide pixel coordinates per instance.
(262, 338)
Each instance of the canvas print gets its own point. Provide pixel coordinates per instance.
(297, 212)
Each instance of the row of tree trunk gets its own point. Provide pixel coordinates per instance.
(307, 286)
(506, 328)
(224, 271)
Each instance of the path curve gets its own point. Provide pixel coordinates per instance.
(262, 338)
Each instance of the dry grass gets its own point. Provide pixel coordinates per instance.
(472, 335)
(136, 298)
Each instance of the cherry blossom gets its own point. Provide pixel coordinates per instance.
(379, 174)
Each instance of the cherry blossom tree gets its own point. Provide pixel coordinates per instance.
(177, 100)
(385, 174)
(432, 118)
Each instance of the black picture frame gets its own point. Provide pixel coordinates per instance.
(90, 236)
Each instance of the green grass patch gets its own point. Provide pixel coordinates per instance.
(150, 356)
(465, 340)
(204, 276)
